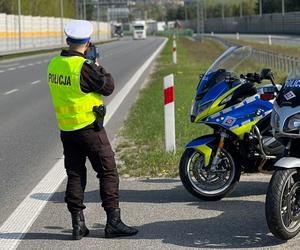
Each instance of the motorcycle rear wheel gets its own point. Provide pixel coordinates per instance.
(283, 204)
(193, 176)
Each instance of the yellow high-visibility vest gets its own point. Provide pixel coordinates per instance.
(73, 108)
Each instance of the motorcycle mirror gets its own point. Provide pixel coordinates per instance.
(266, 74)
(200, 79)
(230, 79)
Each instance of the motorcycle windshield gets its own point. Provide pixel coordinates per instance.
(224, 66)
(289, 94)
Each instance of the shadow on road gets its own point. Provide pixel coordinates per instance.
(241, 224)
(235, 223)
(176, 194)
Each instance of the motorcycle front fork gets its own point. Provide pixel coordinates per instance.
(216, 158)
(287, 149)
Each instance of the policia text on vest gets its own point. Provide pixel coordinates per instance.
(59, 79)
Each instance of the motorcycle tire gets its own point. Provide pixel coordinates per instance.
(273, 206)
(197, 192)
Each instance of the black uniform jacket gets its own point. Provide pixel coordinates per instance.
(93, 78)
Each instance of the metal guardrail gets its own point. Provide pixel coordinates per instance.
(25, 51)
(277, 61)
(271, 59)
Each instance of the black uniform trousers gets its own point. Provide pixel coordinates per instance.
(95, 145)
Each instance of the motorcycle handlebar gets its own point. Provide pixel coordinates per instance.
(252, 77)
(257, 78)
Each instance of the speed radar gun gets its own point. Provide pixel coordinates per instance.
(92, 53)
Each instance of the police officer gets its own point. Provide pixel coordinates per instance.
(77, 86)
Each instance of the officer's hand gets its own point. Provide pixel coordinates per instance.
(97, 62)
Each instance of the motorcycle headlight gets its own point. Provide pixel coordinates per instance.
(198, 108)
(292, 123)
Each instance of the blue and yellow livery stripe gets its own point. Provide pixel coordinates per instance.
(215, 107)
(241, 117)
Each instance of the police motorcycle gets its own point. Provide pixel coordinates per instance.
(283, 195)
(242, 139)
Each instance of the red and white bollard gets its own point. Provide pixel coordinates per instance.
(169, 114)
(174, 51)
(270, 39)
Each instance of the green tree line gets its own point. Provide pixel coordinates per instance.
(270, 6)
(213, 8)
(39, 7)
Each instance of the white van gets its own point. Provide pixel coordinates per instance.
(139, 30)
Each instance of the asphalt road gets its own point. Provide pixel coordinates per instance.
(264, 38)
(168, 218)
(29, 141)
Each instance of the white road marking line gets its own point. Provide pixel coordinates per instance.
(22, 66)
(46, 61)
(1, 71)
(10, 91)
(39, 62)
(30, 64)
(10, 69)
(15, 227)
(8, 65)
(35, 82)
(10, 232)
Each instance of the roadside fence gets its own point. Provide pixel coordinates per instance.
(275, 23)
(271, 59)
(33, 32)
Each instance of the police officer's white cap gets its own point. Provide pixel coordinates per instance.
(79, 29)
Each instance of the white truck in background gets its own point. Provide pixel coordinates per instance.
(139, 30)
(117, 30)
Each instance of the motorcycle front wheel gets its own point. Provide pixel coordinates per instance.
(283, 204)
(204, 183)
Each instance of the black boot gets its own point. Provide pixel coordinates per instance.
(79, 228)
(115, 227)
